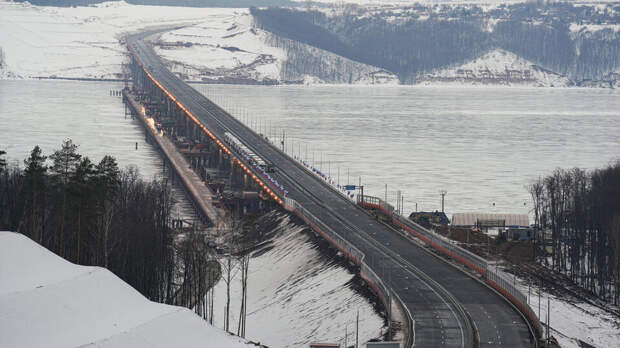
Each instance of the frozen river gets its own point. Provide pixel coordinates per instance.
(482, 145)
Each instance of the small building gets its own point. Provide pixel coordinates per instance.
(490, 220)
(428, 218)
(324, 345)
(518, 234)
(387, 344)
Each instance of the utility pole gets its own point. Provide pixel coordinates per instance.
(357, 329)
(385, 200)
(339, 175)
(548, 321)
(443, 195)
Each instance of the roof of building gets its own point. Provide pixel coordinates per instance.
(470, 219)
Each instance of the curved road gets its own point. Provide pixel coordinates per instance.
(440, 296)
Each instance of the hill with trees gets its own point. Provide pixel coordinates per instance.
(579, 42)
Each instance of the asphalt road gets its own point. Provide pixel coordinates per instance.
(439, 296)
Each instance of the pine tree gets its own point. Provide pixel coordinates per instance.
(65, 162)
(108, 180)
(35, 173)
(2, 161)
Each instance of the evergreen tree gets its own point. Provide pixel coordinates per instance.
(2, 161)
(63, 168)
(80, 190)
(35, 188)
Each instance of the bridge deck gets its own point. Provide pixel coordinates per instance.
(433, 290)
(201, 194)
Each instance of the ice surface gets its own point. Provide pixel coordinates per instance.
(46, 301)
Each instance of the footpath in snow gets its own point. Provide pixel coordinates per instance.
(46, 301)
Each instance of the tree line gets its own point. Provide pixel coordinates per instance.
(93, 214)
(99, 215)
(578, 211)
(449, 36)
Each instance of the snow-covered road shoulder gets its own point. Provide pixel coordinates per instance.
(46, 301)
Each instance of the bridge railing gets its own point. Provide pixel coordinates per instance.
(350, 250)
(448, 247)
(332, 236)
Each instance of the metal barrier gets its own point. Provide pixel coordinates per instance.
(350, 250)
(497, 280)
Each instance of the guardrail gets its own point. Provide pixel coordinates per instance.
(495, 279)
(353, 253)
(334, 238)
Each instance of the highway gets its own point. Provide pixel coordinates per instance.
(450, 308)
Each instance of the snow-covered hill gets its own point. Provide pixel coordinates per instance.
(46, 301)
(78, 42)
(223, 47)
(497, 67)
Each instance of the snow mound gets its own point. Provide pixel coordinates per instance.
(46, 301)
(496, 67)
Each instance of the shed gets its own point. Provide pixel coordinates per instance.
(474, 219)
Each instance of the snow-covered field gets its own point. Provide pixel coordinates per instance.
(496, 67)
(80, 42)
(46, 301)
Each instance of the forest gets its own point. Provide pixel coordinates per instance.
(92, 214)
(578, 211)
(97, 214)
(412, 41)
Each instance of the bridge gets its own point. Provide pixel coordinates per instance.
(408, 266)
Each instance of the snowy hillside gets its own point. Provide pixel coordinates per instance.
(46, 301)
(223, 47)
(497, 67)
(228, 48)
(573, 321)
(78, 42)
(310, 65)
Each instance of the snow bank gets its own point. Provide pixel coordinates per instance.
(46, 301)
(496, 67)
(77, 42)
